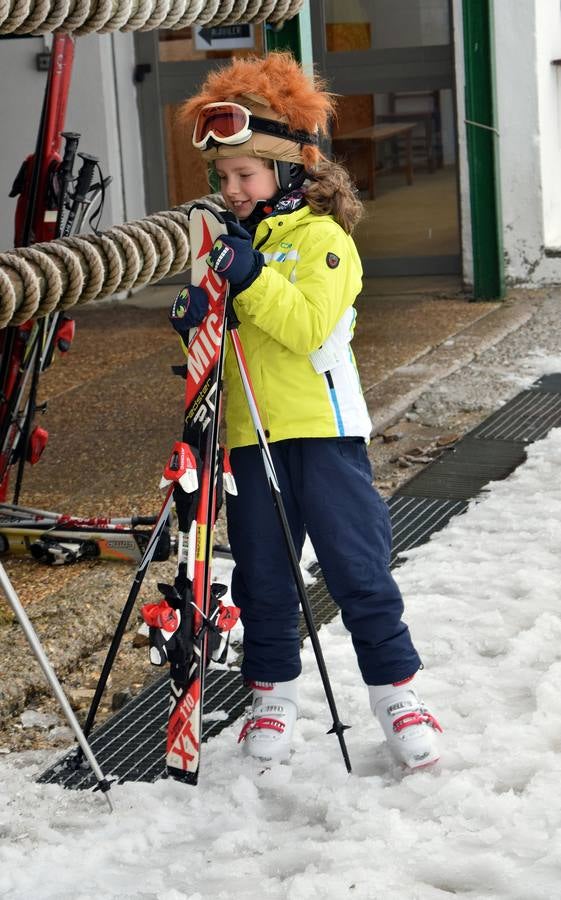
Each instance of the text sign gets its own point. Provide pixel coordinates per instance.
(224, 37)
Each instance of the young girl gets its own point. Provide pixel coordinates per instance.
(294, 272)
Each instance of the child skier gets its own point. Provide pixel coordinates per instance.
(294, 272)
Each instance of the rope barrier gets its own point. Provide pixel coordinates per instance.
(80, 17)
(35, 281)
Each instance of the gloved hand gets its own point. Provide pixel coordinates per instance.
(188, 309)
(233, 257)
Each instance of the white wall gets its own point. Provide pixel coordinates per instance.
(527, 37)
(20, 107)
(548, 47)
(102, 108)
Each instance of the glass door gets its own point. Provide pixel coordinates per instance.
(391, 63)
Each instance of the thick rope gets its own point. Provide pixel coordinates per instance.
(87, 16)
(55, 18)
(208, 12)
(146, 252)
(8, 299)
(130, 258)
(223, 11)
(31, 294)
(265, 9)
(119, 18)
(43, 265)
(237, 13)
(71, 271)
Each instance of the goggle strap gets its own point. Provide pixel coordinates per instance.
(279, 129)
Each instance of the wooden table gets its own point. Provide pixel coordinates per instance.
(376, 134)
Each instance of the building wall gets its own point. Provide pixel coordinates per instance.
(20, 108)
(527, 38)
(548, 48)
(102, 108)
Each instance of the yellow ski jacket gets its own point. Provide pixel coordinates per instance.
(296, 323)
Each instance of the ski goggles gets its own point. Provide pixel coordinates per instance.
(231, 123)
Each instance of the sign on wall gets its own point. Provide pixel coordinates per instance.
(224, 37)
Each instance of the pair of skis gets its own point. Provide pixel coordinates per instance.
(58, 539)
(187, 624)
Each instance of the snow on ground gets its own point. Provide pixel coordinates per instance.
(484, 604)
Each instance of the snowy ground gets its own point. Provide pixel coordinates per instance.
(484, 606)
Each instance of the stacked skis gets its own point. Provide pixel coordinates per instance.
(186, 626)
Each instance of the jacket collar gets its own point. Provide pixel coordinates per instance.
(281, 222)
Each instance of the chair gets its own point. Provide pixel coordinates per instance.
(422, 107)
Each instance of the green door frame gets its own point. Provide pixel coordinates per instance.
(295, 35)
(483, 151)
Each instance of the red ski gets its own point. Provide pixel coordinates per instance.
(193, 595)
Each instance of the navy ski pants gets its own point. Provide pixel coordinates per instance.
(326, 485)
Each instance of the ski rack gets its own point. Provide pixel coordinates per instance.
(131, 744)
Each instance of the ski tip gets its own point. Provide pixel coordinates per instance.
(206, 207)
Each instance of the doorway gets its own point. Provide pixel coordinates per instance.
(391, 63)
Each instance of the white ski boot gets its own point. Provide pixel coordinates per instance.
(409, 727)
(267, 732)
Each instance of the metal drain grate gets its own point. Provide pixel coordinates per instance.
(415, 519)
(549, 383)
(131, 745)
(461, 474)
(528, 417)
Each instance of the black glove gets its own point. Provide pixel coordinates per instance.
(233, 257)
(188, 309)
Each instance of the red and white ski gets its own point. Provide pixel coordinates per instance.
(193, 595)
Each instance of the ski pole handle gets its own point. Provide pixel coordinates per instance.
(83, 184)
(85, 176)
(71, 139)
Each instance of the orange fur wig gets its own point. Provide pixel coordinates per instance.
(273, 87)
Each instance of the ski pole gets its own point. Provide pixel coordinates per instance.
(31, 408)
(337, 728)
(14, 413)
(49, 673)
